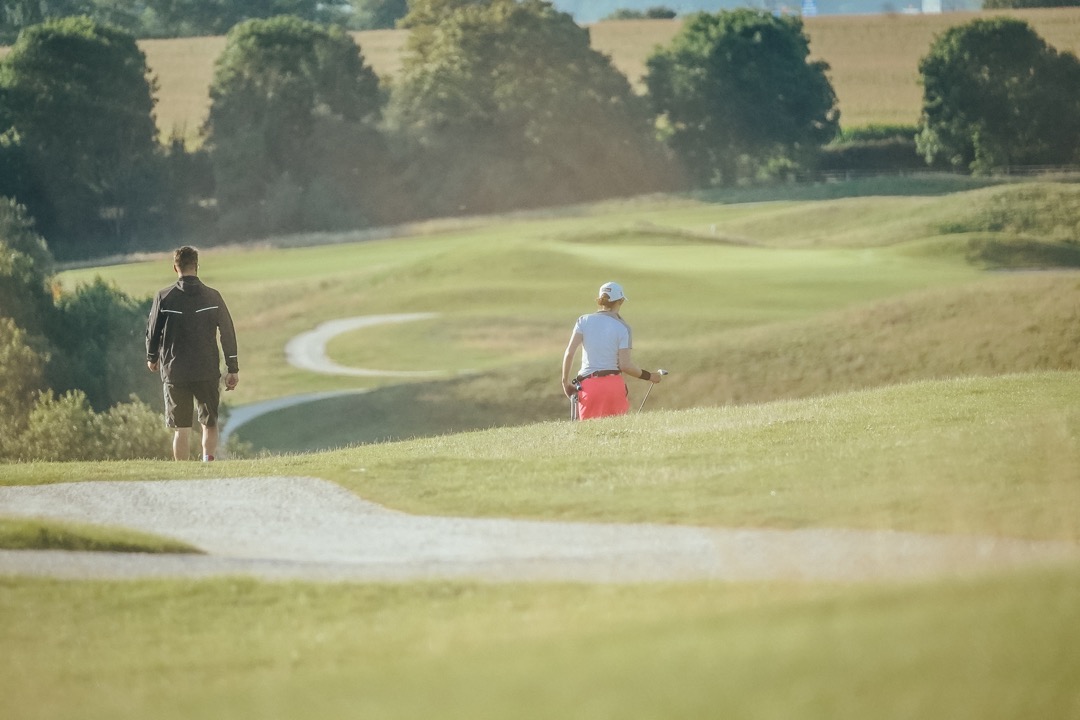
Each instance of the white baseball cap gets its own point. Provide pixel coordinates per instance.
(613, 290)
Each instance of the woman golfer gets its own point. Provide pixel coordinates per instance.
(605, 342)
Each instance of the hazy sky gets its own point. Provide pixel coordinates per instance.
(586, 11)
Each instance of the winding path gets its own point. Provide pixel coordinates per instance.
(307, 351)
(306, 529)
(309, 529)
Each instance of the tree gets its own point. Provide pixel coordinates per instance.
(657, 12)
(735, 91)
(79, 99)
(279, 85)
(1019, 4)
(17, 15)
(20, 381)
(996, 95)
(183, 18)
(25, 268)
(509, 106)
(97, 333)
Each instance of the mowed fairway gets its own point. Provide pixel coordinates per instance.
(742, 302)
(889, 359)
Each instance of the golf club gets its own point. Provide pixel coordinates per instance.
(662, 372)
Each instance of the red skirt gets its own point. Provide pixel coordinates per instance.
(602, 396)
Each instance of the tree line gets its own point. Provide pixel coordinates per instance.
(499, 105)
(188, 18)
(73, 384)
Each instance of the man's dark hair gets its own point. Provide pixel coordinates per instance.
(186, 258)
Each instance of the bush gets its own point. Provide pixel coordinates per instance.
(66, 428)
(133, 430)
(876, 133)
(25, 268)
(890, 155)
(100, 343)
(658, 12)
(60, 428)
(20, 381)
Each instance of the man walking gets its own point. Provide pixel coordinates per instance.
(182, 341)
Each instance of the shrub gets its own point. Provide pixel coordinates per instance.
(100, 343)
(66, 428)
(893, 154)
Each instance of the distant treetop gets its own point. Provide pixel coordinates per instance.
(1021, 4)
(658, 12)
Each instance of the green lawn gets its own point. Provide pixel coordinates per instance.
(839, 358)
(508, 289)
(987, 456)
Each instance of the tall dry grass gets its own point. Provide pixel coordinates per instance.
(874, 59)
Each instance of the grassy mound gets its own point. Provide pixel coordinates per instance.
(38, 534)
(1049, 211)
(743, 302)
(999, 325)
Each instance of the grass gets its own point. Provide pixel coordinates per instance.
(869, 370)
(744, 302)
(41, 534)
(545, 271)
(992, 455)
(986, 648)
(983, 456)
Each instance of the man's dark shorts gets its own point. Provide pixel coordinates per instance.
(181, 397)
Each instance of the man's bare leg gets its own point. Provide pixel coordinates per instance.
(180, 444)
(209, 441)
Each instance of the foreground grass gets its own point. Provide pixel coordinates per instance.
(993, 456)
(980, 649)
(39, 534)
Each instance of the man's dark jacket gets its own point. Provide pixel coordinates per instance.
(182, 332)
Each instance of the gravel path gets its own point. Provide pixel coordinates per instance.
(308, 529)
(307, 351)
